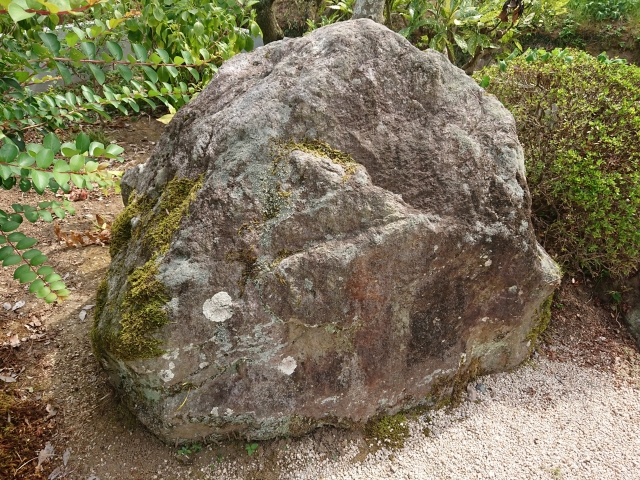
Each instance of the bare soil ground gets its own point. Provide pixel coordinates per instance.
(61, 396)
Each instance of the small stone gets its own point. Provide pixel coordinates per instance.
(481, 388)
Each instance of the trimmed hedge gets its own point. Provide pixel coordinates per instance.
(578, 119)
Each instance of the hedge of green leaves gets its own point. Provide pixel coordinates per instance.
(578, 119)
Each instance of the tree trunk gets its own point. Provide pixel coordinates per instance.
(373, 9)
(266, 19)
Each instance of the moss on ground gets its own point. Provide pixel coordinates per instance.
(389, 431)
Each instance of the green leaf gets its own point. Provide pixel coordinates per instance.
(78, 180)
(126, 73)
(57, 286)
(44, 158)
(65, 73)
(76, 163)
(43, 292)
(163, 55)
(12, 260)
(45, 215)
(26, 243)
(61, 177)
(25, 160)
(72, 38)
(36, 285)
(24, 275)
(29, 254)
(54, 277)
(5, 251)
(24, 185)
(9, 226)
(63, 293)
(44, 271)
(51, 142)
(194, 73)
(32, 216)
(8, 152)
(89, 49)
(39, 260)
(485, 81)
(52, 297)
(82, 142)
(113, 149)
(17, 13)
(140, 51)
(151, 73)
(40, 179)
(115, 50)
(97, 73)
(50, 41)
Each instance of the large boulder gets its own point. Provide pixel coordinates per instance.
(336, 228)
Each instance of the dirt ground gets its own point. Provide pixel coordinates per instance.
(67, 402)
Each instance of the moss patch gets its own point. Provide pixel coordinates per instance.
(544, 318)
(142, 313)
(173, 205)
(388, 431)
(314, 147)
(161, 222)
(449, 391)
(121, 228)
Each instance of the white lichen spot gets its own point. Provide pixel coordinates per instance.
(484, 319)
(218, 308)
(513, 289)
(288, 365)
(167, 375)
(329, 399)
(214, 412)
(203, 365)
(488, 263)
(172, 354)
(228, 412)
(435, 248)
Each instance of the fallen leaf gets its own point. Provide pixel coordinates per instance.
(14, 341)
(65, 457)
(51, 410)
(82, 315)
(45, 454)
(18, 305)
(88, 307)
(7, 379)
(55, 474)
(78, 194)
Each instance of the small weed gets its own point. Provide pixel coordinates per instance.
(98, 135)
(251, 448)
(189, 449)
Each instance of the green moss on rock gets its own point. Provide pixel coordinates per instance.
(173, 205)
(318, 148)
(544, 318)
(143, 308)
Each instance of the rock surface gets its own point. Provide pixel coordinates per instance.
(337, 227)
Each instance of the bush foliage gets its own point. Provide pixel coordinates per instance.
(578, 119)
(107, 57)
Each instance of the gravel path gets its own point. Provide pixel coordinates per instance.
(547, 420)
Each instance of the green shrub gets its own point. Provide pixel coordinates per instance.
(578, 119)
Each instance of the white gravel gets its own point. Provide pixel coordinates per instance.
(547, 420)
